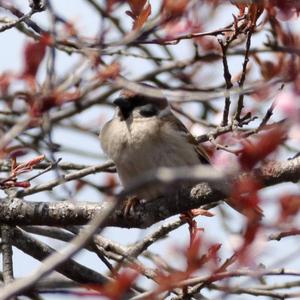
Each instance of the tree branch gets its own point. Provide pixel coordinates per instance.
(70, 268)
(68, 213)
(58, 258)
(7, 254)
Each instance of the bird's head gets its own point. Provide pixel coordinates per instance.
(137, 106)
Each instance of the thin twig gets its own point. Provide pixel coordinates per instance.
(65, 178)
(284, 234)
(227, 77)
(14, 23)
(240, 104)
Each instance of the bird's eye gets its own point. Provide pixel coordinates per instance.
(148, 110)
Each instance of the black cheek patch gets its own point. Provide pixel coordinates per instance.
(148, 110)
(126, 112)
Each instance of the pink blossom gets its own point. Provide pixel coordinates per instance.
(288, 104)
(224, 160)
(174, 29)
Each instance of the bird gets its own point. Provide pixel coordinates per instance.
(143, 135)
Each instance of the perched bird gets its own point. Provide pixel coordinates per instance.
(143, 135)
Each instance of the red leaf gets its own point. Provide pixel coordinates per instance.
(42, 104)
(110, 181)
(212, 254)
(70, 29)
(39, 105)
(136, 6)
(167, 282)
(192, 253)
(5, 80)
(33, 162)
(201, 212)
(245, 199)
(286, 8)
(252, 153)
(141, 19)
(27, 166)
(194, 262)
(116, 289)
(250, 233)
(34, 53)
(244, 253)
(175, 8)
(110, 72)
(12, 182)
(241, 6)
(79, 185)
(140, 11)
(193, 229)
(14, 151)
(290, 206)
(253, 12)
(110, 4)
(22, 184)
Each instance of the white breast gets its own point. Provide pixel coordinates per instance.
(143, 145)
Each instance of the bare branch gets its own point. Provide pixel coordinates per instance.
(7, 254)
(65, 178)
(65, 213)
(58, 258)
(40, 251)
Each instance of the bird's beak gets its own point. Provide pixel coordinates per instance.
(122, 103)
(124, 106)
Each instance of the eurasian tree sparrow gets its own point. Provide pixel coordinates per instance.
(143, 135)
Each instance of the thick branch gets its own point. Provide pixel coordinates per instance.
(145, 214)
(7, 254)
(70, 268)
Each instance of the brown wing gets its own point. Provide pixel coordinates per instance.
(203, 157)
(202, 154)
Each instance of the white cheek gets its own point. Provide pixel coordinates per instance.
(114, 137)
(135, 115)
